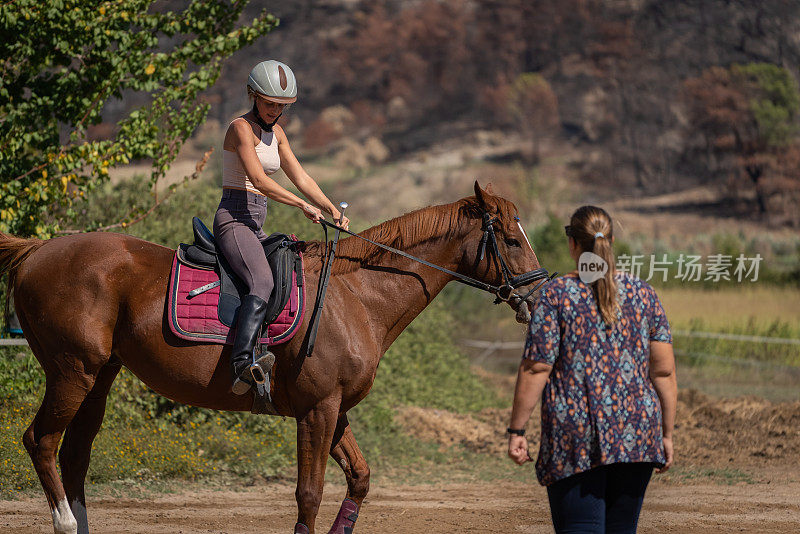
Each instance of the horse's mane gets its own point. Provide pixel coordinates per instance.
(403, 232)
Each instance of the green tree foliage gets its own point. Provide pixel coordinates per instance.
(64, 61)
(745, 107)
(774, 101)
(748, 115)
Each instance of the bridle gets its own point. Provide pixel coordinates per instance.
(503, 292)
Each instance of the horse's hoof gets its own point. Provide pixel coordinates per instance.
(300, 528)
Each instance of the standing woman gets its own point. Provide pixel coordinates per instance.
(599, 355)
(255, 147)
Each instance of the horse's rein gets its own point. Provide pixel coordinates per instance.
(503, 292)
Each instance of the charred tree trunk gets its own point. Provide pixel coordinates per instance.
(755, 172)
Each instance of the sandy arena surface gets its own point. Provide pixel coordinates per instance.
(474, 507)
(749, 441)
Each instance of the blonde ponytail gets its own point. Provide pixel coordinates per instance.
(605, 289)
(592, 230)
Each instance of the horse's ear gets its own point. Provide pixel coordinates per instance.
(480, 194)
(483, 194)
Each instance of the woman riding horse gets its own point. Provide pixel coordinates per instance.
(91, 303)
(255, 147)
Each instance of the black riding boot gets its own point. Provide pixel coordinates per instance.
(244, 369)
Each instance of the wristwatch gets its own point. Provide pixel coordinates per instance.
(515, 431)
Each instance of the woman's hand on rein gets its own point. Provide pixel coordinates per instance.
(312, 213)
(341, 220)
(518, 449)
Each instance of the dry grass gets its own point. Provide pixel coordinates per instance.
(728, 308)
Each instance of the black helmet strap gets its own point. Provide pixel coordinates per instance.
(267, 127)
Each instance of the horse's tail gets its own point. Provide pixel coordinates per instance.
(13, 252)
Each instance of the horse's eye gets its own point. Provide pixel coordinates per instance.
(512, 242)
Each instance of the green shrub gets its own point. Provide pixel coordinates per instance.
(551, 245)
(425, 368)
(171, 222)
(137, 441)
(21, 377)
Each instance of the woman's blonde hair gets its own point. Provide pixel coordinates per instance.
(592, 229)
(251, 94)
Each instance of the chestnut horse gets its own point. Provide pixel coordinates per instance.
(90, 303)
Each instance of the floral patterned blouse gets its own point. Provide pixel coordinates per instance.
(599, 406)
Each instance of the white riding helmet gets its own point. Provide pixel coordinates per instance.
(274, 81)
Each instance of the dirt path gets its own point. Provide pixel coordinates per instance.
(734, 440)
(451, 508)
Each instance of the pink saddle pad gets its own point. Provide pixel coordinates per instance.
(196, 319)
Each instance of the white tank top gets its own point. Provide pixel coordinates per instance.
(234, 175)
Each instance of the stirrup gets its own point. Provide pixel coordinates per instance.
(260, 369)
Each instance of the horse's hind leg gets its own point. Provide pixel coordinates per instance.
(73, 457)
(347, 454)
(67, 385)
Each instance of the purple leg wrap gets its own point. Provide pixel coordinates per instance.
(346, 519)
(300, 528)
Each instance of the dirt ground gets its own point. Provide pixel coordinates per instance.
(736, 471)
(451, 508)
(746, 434)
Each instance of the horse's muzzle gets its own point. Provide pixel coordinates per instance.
(522, 307)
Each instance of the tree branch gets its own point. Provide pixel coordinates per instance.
(125, 222)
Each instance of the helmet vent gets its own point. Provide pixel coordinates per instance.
(282, 76)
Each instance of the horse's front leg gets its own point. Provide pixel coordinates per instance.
(315, 432)
(347, 454)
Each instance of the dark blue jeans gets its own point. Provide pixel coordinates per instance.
(603, 500)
